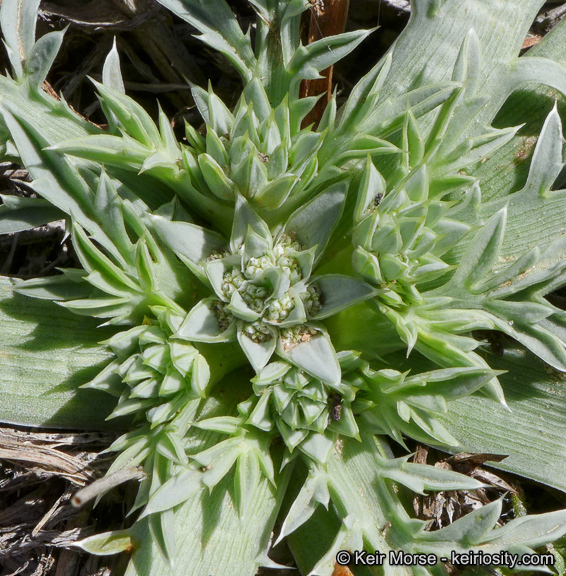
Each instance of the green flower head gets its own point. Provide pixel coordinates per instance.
(265, 292)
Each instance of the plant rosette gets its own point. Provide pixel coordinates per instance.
(281, 301)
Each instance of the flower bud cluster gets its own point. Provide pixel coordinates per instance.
(295, 335)
(312, 299)
(279, 309)
(301, 406)
(223, 317)
(257, 332)
(251, 282)
(155, 371)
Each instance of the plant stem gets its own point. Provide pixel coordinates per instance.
(328, 18)
(102, 485)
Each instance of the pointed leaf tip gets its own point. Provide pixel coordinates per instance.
(315, 355)
(548, 158)
(111, 72)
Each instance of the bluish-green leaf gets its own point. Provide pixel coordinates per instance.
(111, 72)
(107, 543)
(314, 222)
(18, 19)
(201, 324)
(19, 214)
(41, 57)
(42, 368)
(315, 356)
(219, 30)
(188, 240)
(340, 292)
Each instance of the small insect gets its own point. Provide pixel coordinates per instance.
(263, 157)
(377, 200)
(336, 410)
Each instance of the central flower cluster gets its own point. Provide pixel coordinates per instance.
(272, 302)
(266, 294)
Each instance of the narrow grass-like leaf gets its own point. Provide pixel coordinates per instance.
(219, 29)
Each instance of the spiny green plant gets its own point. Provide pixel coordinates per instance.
(276, 300)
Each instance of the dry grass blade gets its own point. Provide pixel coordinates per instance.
(102, 485)
(99, 14)
(169, 55)
(33, 452)
(444, 508)
(39, 472)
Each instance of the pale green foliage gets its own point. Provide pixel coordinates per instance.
(244, 271)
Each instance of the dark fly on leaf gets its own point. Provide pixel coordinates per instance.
(336, 409)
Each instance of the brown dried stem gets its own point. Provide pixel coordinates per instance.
(328, 18)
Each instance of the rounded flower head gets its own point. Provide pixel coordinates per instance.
(265, 293)
(268, 291)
